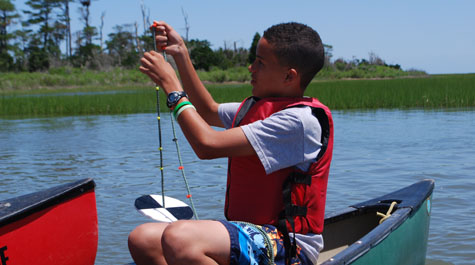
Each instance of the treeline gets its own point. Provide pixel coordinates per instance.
(46, 27)
(45, 41)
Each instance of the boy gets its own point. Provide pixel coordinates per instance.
(279, 145)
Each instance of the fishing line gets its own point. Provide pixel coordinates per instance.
(160, 147)
(175, 139)
(182, 169)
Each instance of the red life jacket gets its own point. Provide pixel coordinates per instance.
(255, 197)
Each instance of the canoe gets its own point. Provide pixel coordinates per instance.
(53, 226)
(356, 236)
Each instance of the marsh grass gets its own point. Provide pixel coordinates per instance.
(81, 103)
(434, 92)
(444, 91)
(76, 77)
(70, 77)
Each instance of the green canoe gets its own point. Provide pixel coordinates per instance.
(355, 235)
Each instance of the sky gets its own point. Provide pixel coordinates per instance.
(436, 36)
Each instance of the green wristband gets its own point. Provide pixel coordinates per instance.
(182, 109)
(179, 106)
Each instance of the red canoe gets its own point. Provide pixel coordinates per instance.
(53, 226)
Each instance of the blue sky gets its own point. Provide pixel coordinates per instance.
(432, 35)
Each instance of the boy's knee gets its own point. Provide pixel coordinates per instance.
(177, 241)
(177, 233)
(136, 242)
(145, 236)
(144, 244)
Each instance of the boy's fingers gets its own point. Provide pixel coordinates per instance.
(152, 57)
(151, 74)
(144, 70)
(161, 40)
(144, 63)
(164, 25)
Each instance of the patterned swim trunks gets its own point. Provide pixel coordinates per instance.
(257, 245)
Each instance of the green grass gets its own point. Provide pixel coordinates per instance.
(70, 77)
(366, 71)
(433, 92)
(438, 91)
(66, 104)
(82, 78)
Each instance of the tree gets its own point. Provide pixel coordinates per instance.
(121, 46)
(37, 56)
(19, 48)
(145, 16)
(146, 40)
(374, 59)
(86, 51)
(101, 29)
(42, 14)
(253, 49)
(328, 51)
(66, 19)
(224, 58)
(7, 16)
(46, 43)
(201, 54)
(187, 25)
(89, 32)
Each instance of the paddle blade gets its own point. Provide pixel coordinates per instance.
(151, 206)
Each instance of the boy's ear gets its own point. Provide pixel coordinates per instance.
(292, 75)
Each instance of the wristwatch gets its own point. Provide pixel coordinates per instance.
(174, 97)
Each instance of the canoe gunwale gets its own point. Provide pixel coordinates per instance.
(16, 208)
(409, 201)
(409, 197)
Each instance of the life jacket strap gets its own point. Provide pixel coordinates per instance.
(300, 178)
(290, 211)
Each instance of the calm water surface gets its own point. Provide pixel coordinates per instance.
(375, 152)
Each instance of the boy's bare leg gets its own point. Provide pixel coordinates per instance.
(181, 242)
(145, 243)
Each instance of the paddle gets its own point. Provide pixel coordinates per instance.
(160, 207)
(151, 206)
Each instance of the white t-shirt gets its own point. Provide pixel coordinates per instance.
(290, 137)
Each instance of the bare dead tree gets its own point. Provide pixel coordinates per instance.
(137, 39)
(374, 59)
(103, 15)
(67, 20)
(187, 25)
(143, 9)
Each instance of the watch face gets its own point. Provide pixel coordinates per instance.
(174, 97)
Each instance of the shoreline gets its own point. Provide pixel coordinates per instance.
(128, 85)
(429, 92)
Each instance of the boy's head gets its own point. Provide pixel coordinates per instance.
(297, 46)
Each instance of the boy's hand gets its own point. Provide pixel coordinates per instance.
(168, 39)
(160, 71)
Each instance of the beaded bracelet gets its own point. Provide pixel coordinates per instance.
(182, 109)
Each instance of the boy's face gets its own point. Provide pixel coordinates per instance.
(267, 74)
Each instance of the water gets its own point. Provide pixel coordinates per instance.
(375, 152)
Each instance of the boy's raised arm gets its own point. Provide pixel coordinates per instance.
(174, 45)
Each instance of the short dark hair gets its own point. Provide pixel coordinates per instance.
(298, 46)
